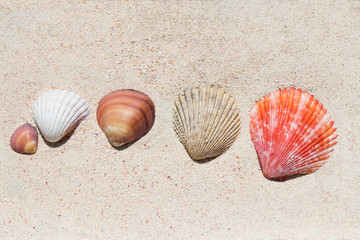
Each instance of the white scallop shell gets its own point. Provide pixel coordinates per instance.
(206, 120)
(58, 112)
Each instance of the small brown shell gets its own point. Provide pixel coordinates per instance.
(125, 116)
(24, 140)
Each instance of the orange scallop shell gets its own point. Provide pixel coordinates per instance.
(24, 140)
(125, 116)
(292, 133)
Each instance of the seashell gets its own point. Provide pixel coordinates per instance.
(125, 116)
(25, 139)
(58, 112)
(206, 120)
(292, 133)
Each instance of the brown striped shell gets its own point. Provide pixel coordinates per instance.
(24, 140)
(206, 120)
(125, 116)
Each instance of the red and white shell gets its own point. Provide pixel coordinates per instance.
(292, 133)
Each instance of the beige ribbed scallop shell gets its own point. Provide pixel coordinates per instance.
(206, 120)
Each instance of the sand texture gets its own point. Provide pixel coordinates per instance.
(82, 188)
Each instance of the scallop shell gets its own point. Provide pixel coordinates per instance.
(206, 120)
(125, 116)
(292, 133)
(24, 140)
(58, 112)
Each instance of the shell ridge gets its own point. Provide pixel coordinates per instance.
(192, 107)
(317, 132)
(221, 136)
(304, 162)
(312, 151)
(317, 160)
(180, 119)
(320, 138)
(283, 95)
(67, 113)
(273, 106)
(223, 110)
(78, 109)
(227, 125)
(212, 139)
(44, 114)
(316, 142)
(49, 111)
(77, 117)
(195, 113)
(296, 135)
(41, 118)
(35, 112)
(57, 103)
(264, 143)
(59, 106)
(313, 158)
(202, 119)
(267, 120)
(210, 102)
(202, 98)
(282, 108)
(217, 122)
(203, 90)
(227, 140)
(188, 112)
(271, 120)
(233, 122)
(177, 123)
(184, 108)
(212, 97)
(295, 131)
(256, 130)
(288, 118)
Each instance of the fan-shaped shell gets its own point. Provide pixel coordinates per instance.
(58, 112)
(24, 140)
(206, 120)
(292, 133)
(125, 116)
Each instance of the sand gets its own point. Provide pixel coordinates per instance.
(82, 188)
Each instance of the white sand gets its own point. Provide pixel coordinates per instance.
(85, 189)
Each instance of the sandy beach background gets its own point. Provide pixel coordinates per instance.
(82, 188)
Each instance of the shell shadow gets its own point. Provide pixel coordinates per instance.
(203, 161)
(289, 178)
(123, 147)
(59, 143)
